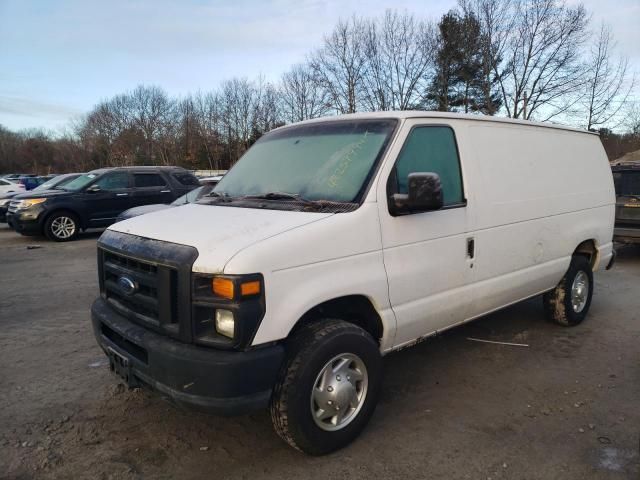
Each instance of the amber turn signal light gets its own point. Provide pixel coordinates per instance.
(223, 287)
(250, 288)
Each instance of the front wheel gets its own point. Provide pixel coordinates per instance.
(62, 227)
(328, 388)
(569, 302)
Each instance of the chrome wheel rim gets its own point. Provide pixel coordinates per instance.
(339, 392)
(63, 227)
(580, 291)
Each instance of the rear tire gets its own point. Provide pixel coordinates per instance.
(328, 388)
(568, 303)
(62, 227)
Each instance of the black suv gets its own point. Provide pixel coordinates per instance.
(95, 199)
(627, 180)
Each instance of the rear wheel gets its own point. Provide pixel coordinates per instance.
(569, 302)
(328, 388)
(62, 226)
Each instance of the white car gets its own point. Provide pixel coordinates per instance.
(7, 186)
(336, 241)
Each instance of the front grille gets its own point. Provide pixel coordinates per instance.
(154, 300)
(161, 275)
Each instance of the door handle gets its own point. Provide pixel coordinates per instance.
(471, 247)
(165, 191)
(122, 194)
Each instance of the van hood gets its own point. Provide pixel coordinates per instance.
(218, 233)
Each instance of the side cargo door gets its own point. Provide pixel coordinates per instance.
(428, 256)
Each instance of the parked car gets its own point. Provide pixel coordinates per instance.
(205, 188)
(95, 199)
(56, 182)
(53, 184)
(335, 241)
(14, 177)
(5, 200)
(8, 186)
(31, 181)
(627, 181)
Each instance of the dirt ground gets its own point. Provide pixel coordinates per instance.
(565, 407)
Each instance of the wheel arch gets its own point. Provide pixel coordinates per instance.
(356, 309)
(589, 249)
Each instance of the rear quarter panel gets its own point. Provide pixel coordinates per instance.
(542, 191)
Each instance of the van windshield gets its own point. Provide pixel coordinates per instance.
(330, 161)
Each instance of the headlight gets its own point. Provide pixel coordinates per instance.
(227, 309)
(225, 323)
(29, 202)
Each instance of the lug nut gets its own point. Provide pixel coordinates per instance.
(338, 378)
(329, 389)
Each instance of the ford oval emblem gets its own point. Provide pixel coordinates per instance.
(127, 285)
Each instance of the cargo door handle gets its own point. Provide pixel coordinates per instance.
(471, 247)
(122, 194)
(165, 191)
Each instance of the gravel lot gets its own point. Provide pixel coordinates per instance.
(565, 407)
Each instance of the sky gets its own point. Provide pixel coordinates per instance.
(58, 58)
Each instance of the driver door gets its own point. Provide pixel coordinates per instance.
(428, 255)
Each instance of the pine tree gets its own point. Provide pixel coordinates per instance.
(463, 80)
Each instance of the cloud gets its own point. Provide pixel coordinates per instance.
(34, 108)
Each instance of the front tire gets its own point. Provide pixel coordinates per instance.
(62, 227)
(328, 388)
(569, 302)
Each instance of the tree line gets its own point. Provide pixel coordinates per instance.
(528, 59)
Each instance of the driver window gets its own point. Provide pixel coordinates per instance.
(113, 181)
(431, 149)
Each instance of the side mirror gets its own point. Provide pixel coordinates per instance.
(94, 188)
(425, 194)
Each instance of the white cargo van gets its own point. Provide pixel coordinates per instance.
(335, 241)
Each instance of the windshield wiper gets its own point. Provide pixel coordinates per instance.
(280, 196)
(224, 196)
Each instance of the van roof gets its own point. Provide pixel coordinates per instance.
(408, 114)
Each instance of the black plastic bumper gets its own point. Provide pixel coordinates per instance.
(204, 379)
(26, 223)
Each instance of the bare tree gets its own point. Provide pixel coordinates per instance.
(239, 101)
(302, 95)
(208, 109)
(340, 64)
(151, 111)
(266, 114)
(542, 69)
(399, 54)
(606, 88)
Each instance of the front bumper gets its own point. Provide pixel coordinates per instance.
(26, 221)
(199, 378)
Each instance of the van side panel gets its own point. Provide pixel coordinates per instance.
(543, 192)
